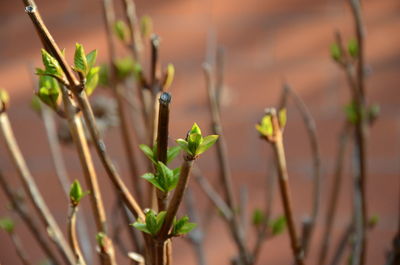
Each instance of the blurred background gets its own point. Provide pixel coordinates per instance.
(265, 43)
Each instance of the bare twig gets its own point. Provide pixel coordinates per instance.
(73, 239)
(334, 196)
(131, 17)
(312, 135)
(225, 174)
(28, 219)
(21, 253)
(343, 243)
(196, 236)
(33, 191)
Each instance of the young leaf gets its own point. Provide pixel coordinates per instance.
(146, 26)
(265, 127)
(172, 153)
(373, 221)
(169, 76)
(194, 141)
(103, 75)
(282, 118)
(52, 67)
(4, 98)
(352, 48)
(150, 177)
(7, 224)
(278, 225)
(336, 52)
(80, 61)
(48, 91)
(160, 219)
(92, 79)
(151, 222)
(125, 67)
(75, 193)
(183, 144)
(195, 129)
(206, 143)
(351, 113)
(182, 226)
(121, 30)
(35, 103)
(141, 227)
(149, 153)
(91, 58)
(258, 217)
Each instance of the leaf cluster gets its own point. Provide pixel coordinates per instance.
(266, 128)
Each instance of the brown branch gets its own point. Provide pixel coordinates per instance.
(225, 174)
(131, 17)
(277, 143)
(73, 238)
(33, 191)
(28, 219)
(334, 196)
(316, 155)
(343, 243)
(21, 253)
(162, 142)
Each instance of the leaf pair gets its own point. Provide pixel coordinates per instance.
(84, 64)
(182, 226)
(276, 225)
(152, 153)
(152, 223)
(195, 144)
(352, 49)
(266, 128)
(164, 179)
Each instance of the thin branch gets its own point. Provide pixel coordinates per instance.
(316, 155)
(196, 236)
(73, 238)
(343, 243)
(131, 17)
(109, 20)
(28, 219)
(225, 174)
(21, 253)
(334, 196)
(33, 191)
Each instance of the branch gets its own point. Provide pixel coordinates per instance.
(73, 239)
(334, 196)
(33, 191)
(23, 256)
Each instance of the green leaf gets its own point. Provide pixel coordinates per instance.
(92, 79)
(160, 219)
(150, 177)
(336, 52)
(151, 222)
(125, 67)
(146, 26)
(121, 30)
(353, 48)
(351, 113)
(141, 227)
(373, 221)
(183, 144)
(195, 129)
(182, 226)
(278, 225)
(265, 128)
(80, 61)
(206, 143)
(194, 141)
(169, 78)
(75, 193)
(49, 91)
(35, 103)
(100, 238)
(282, 118)
(7, 224)
(172, 153)
(149, 153)
(258, 217)
(103, 75)
(52, 67)
(91, 58)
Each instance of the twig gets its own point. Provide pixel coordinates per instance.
(109, 20)
(312, 135)
(28, 219)
(33, 191)
(21, 253)
(162, 142)
(196, 236)
(73, 239)
(225, 174)
(361, 134)
(343, 243)
(334, 196)
(131, 17)
(276, 139)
